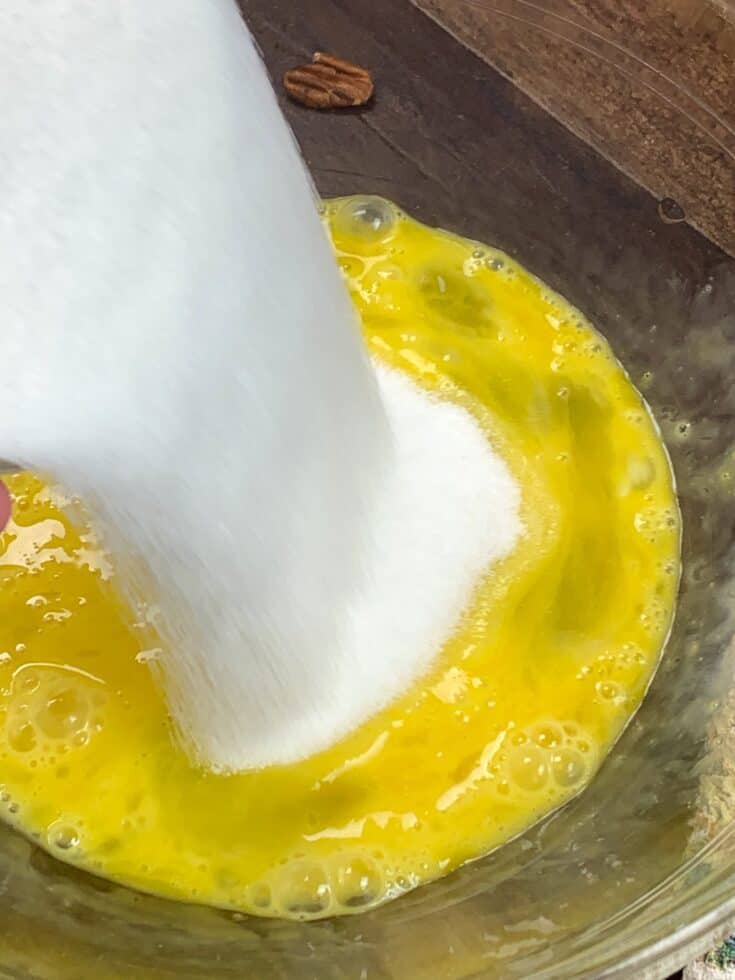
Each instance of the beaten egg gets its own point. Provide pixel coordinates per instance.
(549, 662)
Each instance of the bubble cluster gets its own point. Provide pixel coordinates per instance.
(8, 806)
(655, 617)
(653, 522)
(52, 710)
(310, 889)
(545, 757)
(476, 261)
(616, 664)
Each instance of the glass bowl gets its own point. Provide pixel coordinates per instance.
(637, 874)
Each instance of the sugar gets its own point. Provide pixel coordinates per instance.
(179, 350)
(444, 510)
(447, 511)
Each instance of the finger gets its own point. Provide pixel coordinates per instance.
(6, 505)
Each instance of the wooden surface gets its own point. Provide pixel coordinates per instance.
(458, 145)
(650, 83)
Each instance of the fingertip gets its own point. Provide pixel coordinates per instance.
(6, 505)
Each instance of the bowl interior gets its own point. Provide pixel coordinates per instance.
(642, 864)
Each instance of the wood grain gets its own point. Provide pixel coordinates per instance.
(649, 83)
(458, 145)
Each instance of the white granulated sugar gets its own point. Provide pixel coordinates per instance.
(179, 350)
(448, 510)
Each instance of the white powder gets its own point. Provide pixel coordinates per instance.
(448, 509)
(179, 350)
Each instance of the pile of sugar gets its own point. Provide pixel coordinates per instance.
(446, 511)
(178, 350)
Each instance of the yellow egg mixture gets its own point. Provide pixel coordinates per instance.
(551, 659)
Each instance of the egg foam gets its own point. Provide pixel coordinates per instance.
(513, 718)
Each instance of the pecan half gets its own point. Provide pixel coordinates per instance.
(329, 83)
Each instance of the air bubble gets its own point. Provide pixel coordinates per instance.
(29, 683)
(527, 767)
(471, 266)
(568, 767)
(64, 715)
(352, 267)
(63, 836)
(22, 738)
(494, 263)
(608, 690)
(368, 219)
(358, 883)
(259, 896)
(304, 890)
(548, 735)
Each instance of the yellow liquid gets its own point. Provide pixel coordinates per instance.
(550, 661)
